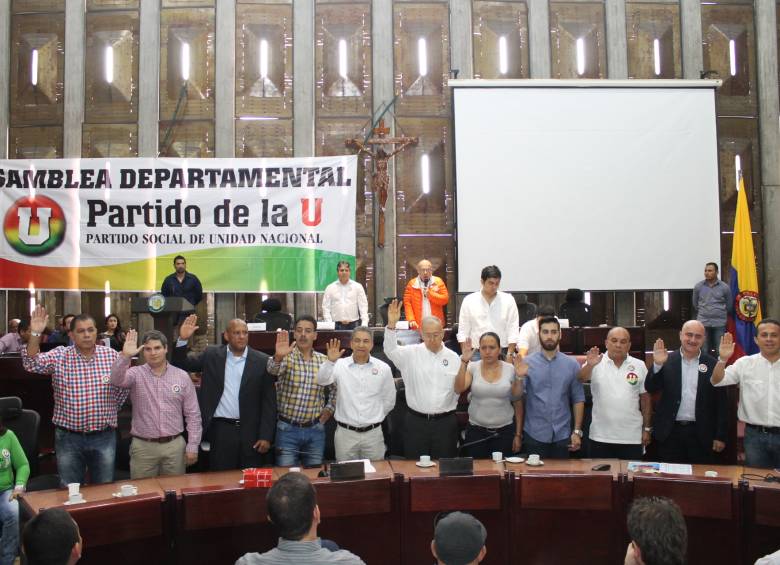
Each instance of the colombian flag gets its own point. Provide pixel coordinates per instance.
(743, 281)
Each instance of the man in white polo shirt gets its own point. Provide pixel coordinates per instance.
(758, 377)
(428, 370)
(366, 396)
(622, 409)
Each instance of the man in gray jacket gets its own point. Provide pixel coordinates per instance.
(711, 302)
(292, 508)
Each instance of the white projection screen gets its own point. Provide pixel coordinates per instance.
(598, 185)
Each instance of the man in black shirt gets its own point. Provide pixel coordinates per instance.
(184, 284)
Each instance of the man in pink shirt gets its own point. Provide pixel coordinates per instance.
(161, 395)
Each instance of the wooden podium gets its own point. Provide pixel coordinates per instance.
(166, 317)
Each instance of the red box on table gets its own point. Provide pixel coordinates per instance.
(258, 478)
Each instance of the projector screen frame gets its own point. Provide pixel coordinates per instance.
(454, 84)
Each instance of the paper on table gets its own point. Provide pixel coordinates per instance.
(367, 466)
(649, 467)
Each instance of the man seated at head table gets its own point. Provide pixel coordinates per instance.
(366, 395)
(13, 341)
(658, 533)
(622, 408)
(52, 538)
(459, 539)
(163, 397)
(552, 393)
(428, 370)
(758, 377)
(292, 508)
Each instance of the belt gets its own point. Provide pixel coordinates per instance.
(299, 424)
(90, 433)
(164, 439)
(491, 430)
(430, 416)
(685, 422)
(230, 421)
(360, 430)
(765, 429)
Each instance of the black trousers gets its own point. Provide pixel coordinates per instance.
(437, 438)
(600, 450)
(484, 450)
(228, 451)
(683, 446)
(349, 326)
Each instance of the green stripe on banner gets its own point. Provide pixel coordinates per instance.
(258, 269)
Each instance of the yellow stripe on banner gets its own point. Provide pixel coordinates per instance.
(743, 258)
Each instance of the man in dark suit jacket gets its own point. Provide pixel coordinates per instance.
(237, 398)
(690, 422)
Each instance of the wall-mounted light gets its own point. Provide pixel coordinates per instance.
(263, 59)
(657, 56)
(586, 298)
(32, 298)
(422, 56)
(343, 58)
(34, 67)
(737, 169)
(108, 61)
(732, 57)
(666, 301)
(107, 300)
(503, 56)
(580, 56)
(185, 61)
(425, 173)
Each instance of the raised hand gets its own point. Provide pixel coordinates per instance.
(39, 319)
(333, 349)
(131, 347)
(393, 314)
(726, 349)
(660, 354)
(593, 356)
(188, 326)
(283, 345)
(466, 350)
(521, 367)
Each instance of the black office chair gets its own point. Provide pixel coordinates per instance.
(26, 424)
(525, 310)
(272, 316)
(12, 402)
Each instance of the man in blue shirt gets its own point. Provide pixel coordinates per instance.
(552, 390)
(184, 284)
(712, 303)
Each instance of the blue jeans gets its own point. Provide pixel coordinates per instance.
(554, 450)
(9, 517)
(761, 449)
(290, 440)
(78, 452)
(712, 337)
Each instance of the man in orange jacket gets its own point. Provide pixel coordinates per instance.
(425, 295)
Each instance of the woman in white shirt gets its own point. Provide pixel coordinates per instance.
(495, 412)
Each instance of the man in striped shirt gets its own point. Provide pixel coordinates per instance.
(85, 401)
(160, 394)
(303, 405)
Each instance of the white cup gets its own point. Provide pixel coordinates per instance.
(533, 459)
(497, 456)
(710, 473)
(73, 488)
(128, 490)
(425, 459)
(295, 469)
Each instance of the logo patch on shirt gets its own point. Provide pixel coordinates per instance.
(5, 453)
(631, 368)
(176, 388)
(105, 380)
(702, 368)
(632, 378)
(374, 371)
(445, 362)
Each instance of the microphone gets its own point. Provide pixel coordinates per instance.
(493, 435)
(323, 472)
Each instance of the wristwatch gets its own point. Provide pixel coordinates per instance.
(35, 334)
(648, 429)
(578, 432)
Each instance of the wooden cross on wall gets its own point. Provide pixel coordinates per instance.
(375, 146)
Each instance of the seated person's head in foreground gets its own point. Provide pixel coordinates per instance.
(459, 539)
(52, 538)
(658, 533)
(292, 507)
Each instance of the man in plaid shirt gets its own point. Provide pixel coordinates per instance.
(303, 405)
(85, 401)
